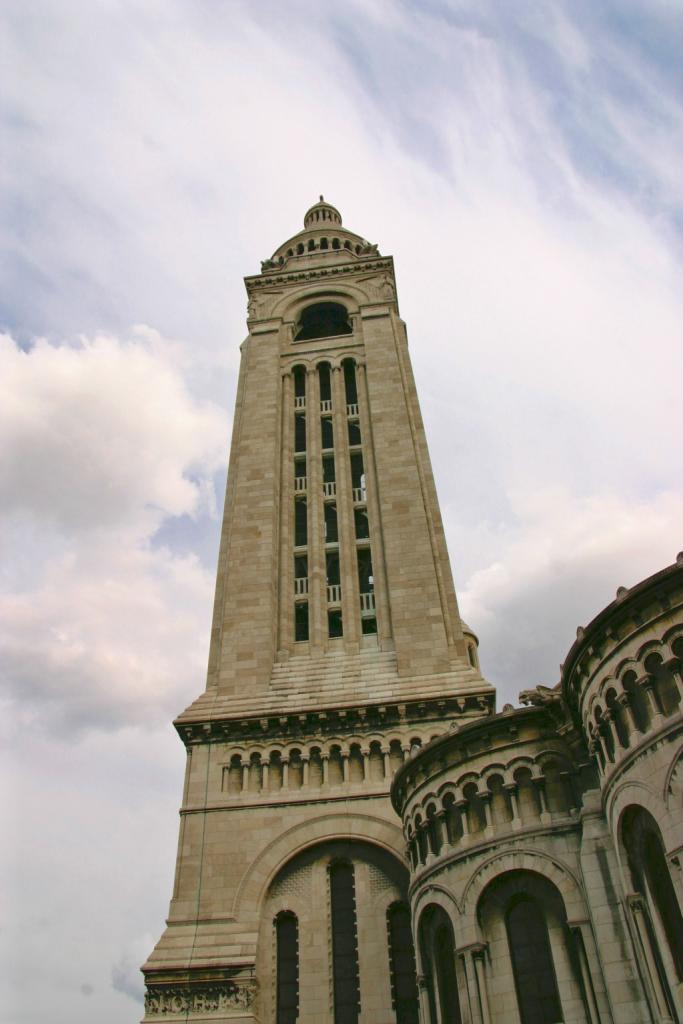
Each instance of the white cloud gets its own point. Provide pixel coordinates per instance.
(556, 565)
(102, 442)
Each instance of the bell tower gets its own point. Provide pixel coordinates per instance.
(336, 649)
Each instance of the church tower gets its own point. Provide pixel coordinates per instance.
(336, 649)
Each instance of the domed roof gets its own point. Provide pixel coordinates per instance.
(323, 238)
(321, 212)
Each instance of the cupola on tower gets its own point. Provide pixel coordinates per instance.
(337, 648)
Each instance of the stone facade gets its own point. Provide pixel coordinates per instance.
(545, 841)
(336, 648)
(537, 876)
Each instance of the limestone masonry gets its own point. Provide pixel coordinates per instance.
(363, 840)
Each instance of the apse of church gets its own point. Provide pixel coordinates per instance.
(336, 649)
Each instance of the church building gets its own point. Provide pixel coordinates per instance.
(363, 839)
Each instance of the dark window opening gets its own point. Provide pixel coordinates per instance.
(347, 244)
(299, 382)
(328, 469)
(300, 249)
(366, 580)
(300, 522)
(323, 243)
(290, 252)
(354, 432)
(332, 562)
(323, 320)
(331, 530)
(357, 472)
(327, 432)
(437, 950)
(368, 625)
(300, 567)
(334, 623)
(311, 245)
(299, 432)
(325, 382)
(301, 620)
(335, 243)
(402, 964)
(360, 516)
(532, 963)
(299, 468)
(350, 382)
(287, 941)
(344, 944)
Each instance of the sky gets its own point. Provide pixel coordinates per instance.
(521, 162)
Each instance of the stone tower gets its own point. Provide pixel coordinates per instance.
(336, 648)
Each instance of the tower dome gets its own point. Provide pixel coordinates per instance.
(320, 213)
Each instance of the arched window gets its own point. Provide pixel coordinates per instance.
(437, 953)
(651, 877)
(344, 944)
(532, 963)
(402, 964)
(287, 959)
(323, 320)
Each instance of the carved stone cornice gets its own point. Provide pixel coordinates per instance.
(257, 282)
(368, 717)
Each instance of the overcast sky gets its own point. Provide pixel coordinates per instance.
(521, 161)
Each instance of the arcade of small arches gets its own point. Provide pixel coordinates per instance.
(528, 792)
(334, 763)
(645, 693)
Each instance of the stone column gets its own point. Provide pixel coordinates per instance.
(647, 684)
(245, 775)
(478, 954)
(656, 995)
(624, 701)
(366, 763)
(286, 594)
(345, 766)
(345, 518)
(516, 822)
(672, 665)
(265, 773)
(387, 763)
(589, 999)
(317, 568)
(325, 758)
(462, 807)
(539, 782)
(305, 771)
(382, 605)
(610, 720)
(285, 773)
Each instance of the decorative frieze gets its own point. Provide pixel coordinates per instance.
(183, 1001)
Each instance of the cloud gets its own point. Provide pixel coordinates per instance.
(103, 443)
(557, 565)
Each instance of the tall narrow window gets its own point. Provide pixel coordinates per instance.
(325, 383)
(437, 952)
(532, 963)
(287, 941)
(326, 432)
(354, 432)
(301, 620)
(331, 527)
(300, 432)
(300, 522)
(344, 944)
(402, 964)
(350, 382)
